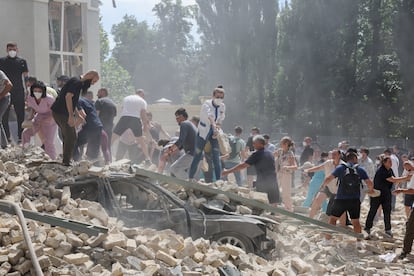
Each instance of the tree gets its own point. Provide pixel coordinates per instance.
(113, 76)
(239, 38)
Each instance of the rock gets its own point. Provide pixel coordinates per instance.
(76, 259)
(169, 260)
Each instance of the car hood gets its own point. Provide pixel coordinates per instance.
(212, 209)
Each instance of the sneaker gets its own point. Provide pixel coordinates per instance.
(388, 233)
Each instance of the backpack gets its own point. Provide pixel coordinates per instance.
(350, 182)
(233, 145)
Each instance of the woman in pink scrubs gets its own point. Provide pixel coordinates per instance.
(43, 122)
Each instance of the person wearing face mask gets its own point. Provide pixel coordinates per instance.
(43, 124)
(212, 113)
(16, 70)
(66, 112)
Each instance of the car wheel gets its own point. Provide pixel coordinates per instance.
(235, 239)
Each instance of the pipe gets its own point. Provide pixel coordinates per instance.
(19, 213)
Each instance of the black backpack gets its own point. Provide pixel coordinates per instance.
(350, 182)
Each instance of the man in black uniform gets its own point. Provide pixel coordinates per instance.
(15, 69)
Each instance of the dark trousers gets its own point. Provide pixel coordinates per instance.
(91, 137)
(385, 201)
(409, 234)
(68, 136)
(18, 103)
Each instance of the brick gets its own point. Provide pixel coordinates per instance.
(131, 245)
(65, 195)
(96, 241)
(15, 255)
(29, 205)
(74, 240)
(12, 182)
(300, 265)
(169, 260)
(230, 249)
(24, 267)
(144, 252)
(112, 240)
(262, 197)
(76, 259)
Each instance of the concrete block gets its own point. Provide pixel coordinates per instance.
(169, 260)
(76, 259)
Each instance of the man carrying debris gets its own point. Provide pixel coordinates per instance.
(348, 195)
(264, 162)
(65, 110)
(186, 142)
(134, 117)
(383, 181)
(212, 114)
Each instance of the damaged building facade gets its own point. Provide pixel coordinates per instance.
(55, 37)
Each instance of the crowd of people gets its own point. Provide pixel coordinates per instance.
(337, 183)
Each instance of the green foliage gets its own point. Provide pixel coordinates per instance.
(116, 79)
(311, 67)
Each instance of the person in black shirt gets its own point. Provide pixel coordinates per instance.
(251, 171)
(307, 153)
(185, 142)
(16, 69)
(106, 109)
(383, 181)
(264, 162)
(64, 110)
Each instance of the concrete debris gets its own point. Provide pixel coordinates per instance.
(29, 178)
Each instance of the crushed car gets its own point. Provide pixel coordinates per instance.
(139, 202)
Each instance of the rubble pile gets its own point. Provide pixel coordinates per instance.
(28, 178)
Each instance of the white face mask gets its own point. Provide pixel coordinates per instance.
(12, 53)
(37, 95)
(218, 101)
(304, 144)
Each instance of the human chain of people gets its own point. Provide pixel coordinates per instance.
(337, 183)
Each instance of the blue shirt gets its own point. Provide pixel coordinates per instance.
(92, 119)
(339, 172)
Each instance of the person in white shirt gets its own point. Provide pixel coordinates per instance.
(134, 117)
(212, 114)
(365, 162)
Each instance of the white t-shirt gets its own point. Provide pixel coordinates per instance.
(329, 167)
(410, 184)
(133, 105)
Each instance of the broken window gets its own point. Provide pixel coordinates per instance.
(65, 38)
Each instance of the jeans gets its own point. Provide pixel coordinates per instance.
(181, 166)
(4, 103)
(237, 175)
(199, 147)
